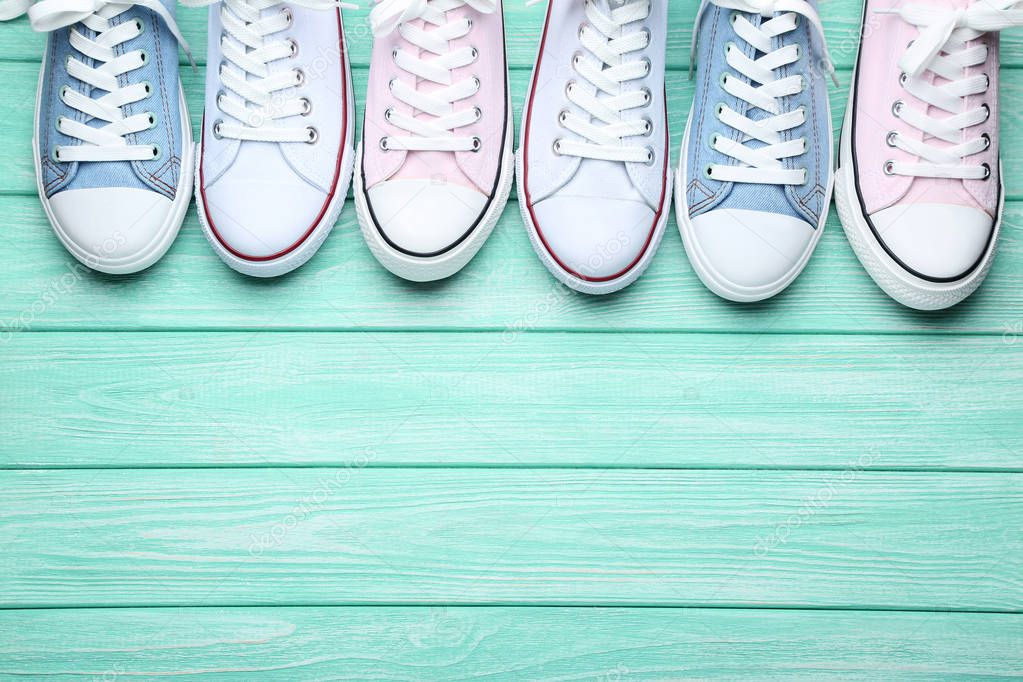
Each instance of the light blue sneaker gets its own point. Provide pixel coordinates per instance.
(113, 140)
(756, 172)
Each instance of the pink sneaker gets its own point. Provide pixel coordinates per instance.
(919, 187)
(435, 166)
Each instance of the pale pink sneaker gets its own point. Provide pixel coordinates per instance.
(919, 187)
(435, 166)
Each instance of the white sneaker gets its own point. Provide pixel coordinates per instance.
(593, 177)
(276, 158)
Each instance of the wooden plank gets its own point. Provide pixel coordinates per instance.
(523, 25)
(350, 536)
(512, 644)
(535, 400)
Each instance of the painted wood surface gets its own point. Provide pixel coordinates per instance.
(445, 643)
(512, 400)
(340, 475)
(351, 535)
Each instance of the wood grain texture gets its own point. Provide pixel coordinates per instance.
(509, 644)
(351, 536)
(436, 399)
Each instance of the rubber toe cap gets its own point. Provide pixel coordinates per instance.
(425, 217)
(751, 253)
(114, 229)
(595, 238)
(936, 241)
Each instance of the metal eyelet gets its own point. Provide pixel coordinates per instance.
(478, 112)
(286, 12)
(293, 47)
(987, 171)
(651, 156)
(221, 95)
(647, 65)
(647, 97)
(218, 126)
(897, 107)
(299, 77)
(903, 78)
(383, 145)
(477, 144)
(563, 117)
(889, 168)
(312, 135)
(987, 141)
(987, 112)
(556, 147)
(55, 154)
(891, 137)
(477, 83)
(648, 127)
(468, 21)
(475, 55)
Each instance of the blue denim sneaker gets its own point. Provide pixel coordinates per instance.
(756, 171)
(113, 140)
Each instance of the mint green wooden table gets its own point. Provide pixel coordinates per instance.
(341, 475)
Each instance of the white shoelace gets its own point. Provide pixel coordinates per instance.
(942, 48)
(605, 131)
(107, 142)
(440, 117)
(258, 99)
(765, 164)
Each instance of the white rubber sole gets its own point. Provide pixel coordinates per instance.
(168, 232)
(904, 287)
(704, 269)
(300, 255)
(434, 268)
(573, 282)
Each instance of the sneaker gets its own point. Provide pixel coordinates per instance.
(113, 142)
(593, 174)
(920, 185)
(276, 155)
(756, 176)
(435, 162)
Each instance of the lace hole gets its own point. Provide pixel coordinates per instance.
(987, 112)
(312, 135)
(218, 127)
(987, 141)
(157, 152)
(891, 137)
(55, 154)
(889, 168)
(647, 97)
(648, 127)
(708, 172)
(987, 171)
(152, 120)
(897, 108)
(293, 47)
(140, 27)
(289, 18)
(477, 144)
(475, 55)
(903, 78)
(651, 156)
(307, 106)
(299, 77)
(563, 117)
(383, 144)
(144, 57)
(149, 87)
(478, 113)
(556, 147)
